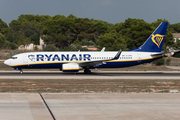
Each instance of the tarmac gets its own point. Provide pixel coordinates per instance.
(23, 106)
(74, 106)
(93, 75)
(69, 106)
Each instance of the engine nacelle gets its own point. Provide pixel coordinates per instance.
(70, 67)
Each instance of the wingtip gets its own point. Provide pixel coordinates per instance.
(118, 54)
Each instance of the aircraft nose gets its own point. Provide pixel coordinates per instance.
(7, 62)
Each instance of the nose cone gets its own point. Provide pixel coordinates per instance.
(7, 62)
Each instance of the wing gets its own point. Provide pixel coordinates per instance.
(99, 62)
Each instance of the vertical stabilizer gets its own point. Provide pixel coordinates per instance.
(155, 42)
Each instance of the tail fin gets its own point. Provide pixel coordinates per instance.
(155, 42)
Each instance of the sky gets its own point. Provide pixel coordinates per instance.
(112, 11)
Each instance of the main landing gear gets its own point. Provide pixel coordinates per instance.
(87, 71)
(21, 71)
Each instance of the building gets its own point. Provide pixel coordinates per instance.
(32, 46)
(90, 47)
(176, 36)
(172, 50)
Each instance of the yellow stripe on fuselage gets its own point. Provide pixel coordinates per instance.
(71, 69)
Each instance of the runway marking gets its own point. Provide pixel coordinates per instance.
(47, 107)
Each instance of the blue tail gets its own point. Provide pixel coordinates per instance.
(155, 42)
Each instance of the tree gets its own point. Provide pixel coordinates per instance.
(15, 25)
(56, 32)
(175, 28)
(136, 31)
(72, 16)
(159, 61)
(178, 43)
(22, 40)
(112, 41)
(4, 29)
(2, 40)
(100, 28)
(156, 23)
(51, 47)
(64, 31)
(169, 40)
(30, 25)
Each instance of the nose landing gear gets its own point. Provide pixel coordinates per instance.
(19, 69)
(87, 71)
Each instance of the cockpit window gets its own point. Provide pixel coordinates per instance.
(13, 57)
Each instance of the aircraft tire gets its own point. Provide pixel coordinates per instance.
(87, 71)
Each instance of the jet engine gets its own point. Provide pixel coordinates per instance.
(70, 67)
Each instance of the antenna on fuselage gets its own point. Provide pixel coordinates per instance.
(103, 49)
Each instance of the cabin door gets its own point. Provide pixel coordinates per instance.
(25, 58)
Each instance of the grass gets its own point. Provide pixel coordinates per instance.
(89, 86)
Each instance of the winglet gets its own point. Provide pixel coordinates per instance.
(118, 54)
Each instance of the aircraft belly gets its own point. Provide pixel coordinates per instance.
(40, 65)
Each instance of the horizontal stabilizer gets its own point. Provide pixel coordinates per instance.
(158, 54)
(163, 54)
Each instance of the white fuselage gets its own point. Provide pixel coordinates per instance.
(56, 59)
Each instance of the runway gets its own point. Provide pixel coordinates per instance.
(93, 75)
(88, 106)
(56, 106)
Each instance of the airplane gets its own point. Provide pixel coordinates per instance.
(75, 61)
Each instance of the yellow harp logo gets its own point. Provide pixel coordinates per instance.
(157, 39)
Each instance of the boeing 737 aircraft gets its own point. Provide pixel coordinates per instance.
(75, 61)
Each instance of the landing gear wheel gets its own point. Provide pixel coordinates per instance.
(87, 71)
(21, 71)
